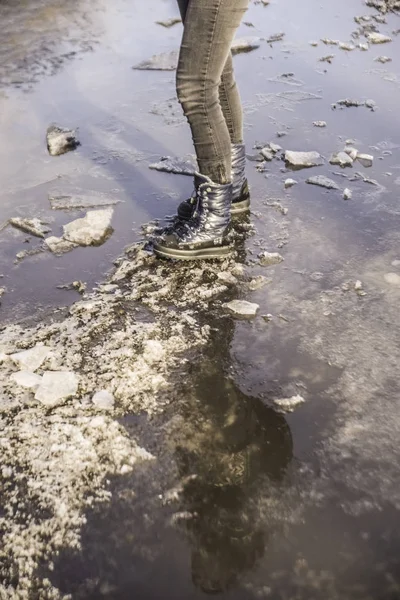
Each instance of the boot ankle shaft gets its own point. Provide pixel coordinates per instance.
(238, 168)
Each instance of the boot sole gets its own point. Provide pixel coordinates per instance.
(204, 253)
(238, 208)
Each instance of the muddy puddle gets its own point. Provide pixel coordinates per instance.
(197, 482)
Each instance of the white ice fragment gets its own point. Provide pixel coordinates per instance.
(343, 159)
(289, 404)
(33, 226)
(245, 44)
(392, 278)
(91, 230)
(365, 159)
(322, 181)
(242, 309)
(58, 245)
(227, 277)
(289, 183)
(32, 359)
(27, 379)
(270, 258)
(153, 351)
(104, 400)
(303, 159)
(56, 386)
(378, 38)
(60, 140)
(352, 152)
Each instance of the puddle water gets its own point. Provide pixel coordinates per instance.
(267, 505)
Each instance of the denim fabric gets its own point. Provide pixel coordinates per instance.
(205, 83)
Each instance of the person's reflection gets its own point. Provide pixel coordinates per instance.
(235, 447)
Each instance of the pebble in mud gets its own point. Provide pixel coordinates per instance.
(392, 279)
(383, 59)
(303, 160)
(242, 309)
(268, 259)
(60, 140)
(322, 181)
(319, 124)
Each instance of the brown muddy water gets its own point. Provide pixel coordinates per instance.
(286, 507)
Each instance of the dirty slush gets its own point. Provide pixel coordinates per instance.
(218, 428)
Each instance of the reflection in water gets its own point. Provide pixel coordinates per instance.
(229, 454)
(230, 449)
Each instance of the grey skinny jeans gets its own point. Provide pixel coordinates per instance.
(205, 83)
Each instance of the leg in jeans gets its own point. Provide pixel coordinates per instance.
(228, 92)
(205, 79)
(230, 103)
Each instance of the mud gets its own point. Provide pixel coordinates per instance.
(177, 469)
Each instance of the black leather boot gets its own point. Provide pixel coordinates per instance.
(205, 233)
(240, 188)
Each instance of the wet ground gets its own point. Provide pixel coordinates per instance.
(240, 501)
